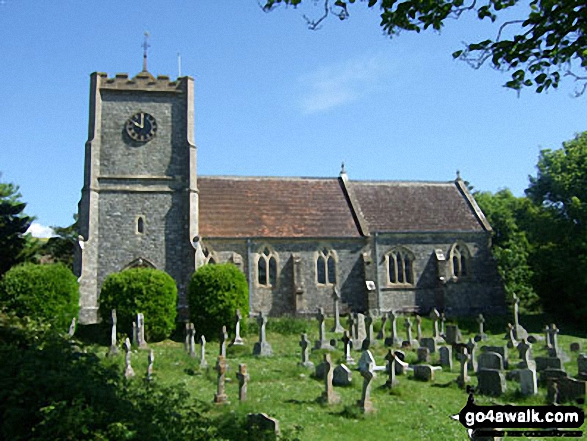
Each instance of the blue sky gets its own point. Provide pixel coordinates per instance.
(272, 98)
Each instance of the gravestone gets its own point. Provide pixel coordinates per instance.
(142, 343)
(192, 340)
(238, 340)
(491, 382)
(263, 426)
(321, 343)
(582, 366)
(347, 342)
(453, 334)
(242, 377)
(551, 373)
(336, 297)
(481, 335)
(262, 348)
(435, 316)
(423, 355)
(151, 360)
(304, 344)
(187, 337)
(424, 372)
(489, 360)
(390, 369)
(418, 327)
(359, 334)
(525, 354)
(528, 382)
(510, 337)
(401, 367)
(501, 350)
(223, 340)
(328, 396)
(113, 344)
(381, 333)
(342, 376)
(575, 346)
(71, 328)
(472, 363)
(135, 335)
(220, 396)
(571, 390)
(463, 357)
(428, 342)
(203, 363)
(552, 340)
(519, 332)
(543, 363)
(128, 370)
(393, 339)
(445, 353)
(409, 341)
(442, 323)
(369, 328)
(367, 370)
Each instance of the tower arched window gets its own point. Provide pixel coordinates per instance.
(459, 260)
(267, 267)
(400, 267)
(140, 227)
(326, 267)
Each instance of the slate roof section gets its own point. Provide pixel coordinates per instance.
(241, 207)
(390, 206)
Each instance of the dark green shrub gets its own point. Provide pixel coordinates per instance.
(145, 290)
(215, 293)
(45, 292)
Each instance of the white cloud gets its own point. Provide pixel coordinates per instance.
(40, 231)
(343, 83)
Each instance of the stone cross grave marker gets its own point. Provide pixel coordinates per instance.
(381, 333)
(347, 344)
(418, 327)
(203, 363)
(359, 333)
(304, 344)
(393, 339)
(472, 363)
(262, 348)
(525, 353)
(369, 328)
(220, 396)
(191, 339)
(238, 341)
(435, 316)
(113, 343)
(463, 357)
(128, 371)
(552, 338)
(328, 396)
(481, 335)
(390, 369)
(151, 360)
(408, 326)
(243, 377)
(141, 331)
(442, 323)
(336, 297)
(509, 336)
(223, 340)
(519, 331)
(321, 343)
(367, 370)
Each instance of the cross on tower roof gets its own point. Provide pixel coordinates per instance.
(145, 47)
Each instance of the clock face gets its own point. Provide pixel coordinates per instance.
(141, 127)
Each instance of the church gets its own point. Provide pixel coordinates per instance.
(377, 245)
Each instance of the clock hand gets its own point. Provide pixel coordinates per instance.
(142, 121)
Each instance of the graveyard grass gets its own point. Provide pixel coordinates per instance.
(413, 410)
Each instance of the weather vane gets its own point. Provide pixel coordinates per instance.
(145, 47)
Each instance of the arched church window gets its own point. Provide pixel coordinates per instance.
(140, 225)
(400, 268)
(209, 256)
(267, 267)
(326, 267)
(459, 258)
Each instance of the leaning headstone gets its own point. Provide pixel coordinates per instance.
(128, 370)
(113, 344)
(435, 316)
(328, 396)
(304, 344)
(368, 373)
(71, 328)
(223, 340)
(342, 376)
(321, 343)
(243, 377)
(423, 355)
(445, 353)
(336, 297)
(151, 360)
(481, 335)
(393, 339)
(203, 363)
(220, 396)
(238, 340)
(428, 342)
(491, 382)
(424, 372)
(390, 369)
(489, 360)
(347, 342)
(263, 426)
(381, 333)
(453, 334)
(528, 382)
(571, 390)
(262, 348)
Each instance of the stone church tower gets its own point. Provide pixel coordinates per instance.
(139, 202)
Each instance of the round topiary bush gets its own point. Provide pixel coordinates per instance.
(215, 293)
(145, 290)
(46, 292)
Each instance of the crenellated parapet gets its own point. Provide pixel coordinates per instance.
(143, 81)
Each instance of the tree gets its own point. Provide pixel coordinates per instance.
(559, 228)
(546, 41)
(60, 248)
(15, 245)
